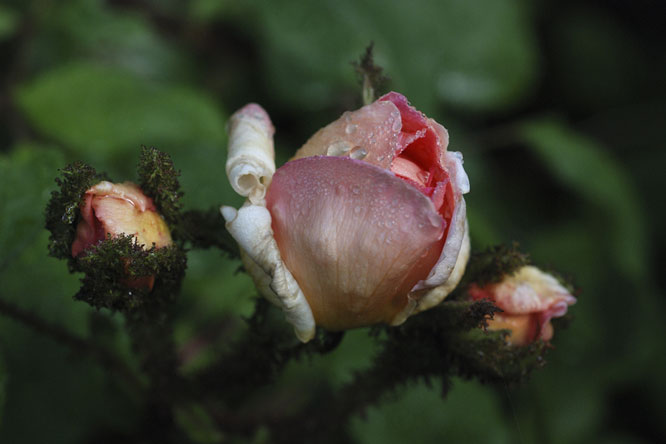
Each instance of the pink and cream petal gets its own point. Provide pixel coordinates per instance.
(531, 290)
(251, 227)
(355, 237)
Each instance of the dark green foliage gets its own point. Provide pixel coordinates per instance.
(158, 178)
(62, 211)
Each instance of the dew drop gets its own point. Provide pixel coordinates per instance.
(397, 125)
(356, 189)
(435, 220)
(338, 148)
(358, 153)
(349, 129)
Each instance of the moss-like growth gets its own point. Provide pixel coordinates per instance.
(158, 178)
(62, 211)
(116, 270)
(492, 265)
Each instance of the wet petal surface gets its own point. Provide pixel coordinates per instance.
(355, 237)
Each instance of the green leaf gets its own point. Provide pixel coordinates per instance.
(96, 30)
(3, 384)
(26, 178)
(474, 55)
(582, 165)
(8, 22)
(102, 111)
(421, 415)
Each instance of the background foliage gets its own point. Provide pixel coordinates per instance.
(558, 107)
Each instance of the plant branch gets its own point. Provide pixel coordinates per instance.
(104, 357)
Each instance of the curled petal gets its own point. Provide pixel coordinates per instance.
(251, 158)
(355, 237)
(251, 227)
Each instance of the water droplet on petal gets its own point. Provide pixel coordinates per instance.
(435, 220)
(339, 148)
(349, 129)
(358, 153)
(356, 189)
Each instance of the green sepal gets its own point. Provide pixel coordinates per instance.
(62, 211)
(158, 179)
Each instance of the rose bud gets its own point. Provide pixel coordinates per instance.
(365, 225)
(529, 299)
(114, 209)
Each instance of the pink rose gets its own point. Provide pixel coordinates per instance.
(369, 217)
(529, 299)
(114, 209)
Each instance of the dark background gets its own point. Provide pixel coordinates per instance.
(558, 107)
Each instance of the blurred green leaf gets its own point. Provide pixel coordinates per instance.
(96, 30)
(597, 63)
(3, 383)
(582, 165)
(101, 111)
(419, 414)
(26, 179)
(8, 22)
(475, 55)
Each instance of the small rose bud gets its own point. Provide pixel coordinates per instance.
(366, 224)
(114, 209)
(529, 299)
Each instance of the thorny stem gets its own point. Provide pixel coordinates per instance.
(104, 357)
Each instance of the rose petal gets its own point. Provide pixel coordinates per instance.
(523, 327)
(355, 237)
(375, 129)
(114, 209)
(531, 290)
(120, 216)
